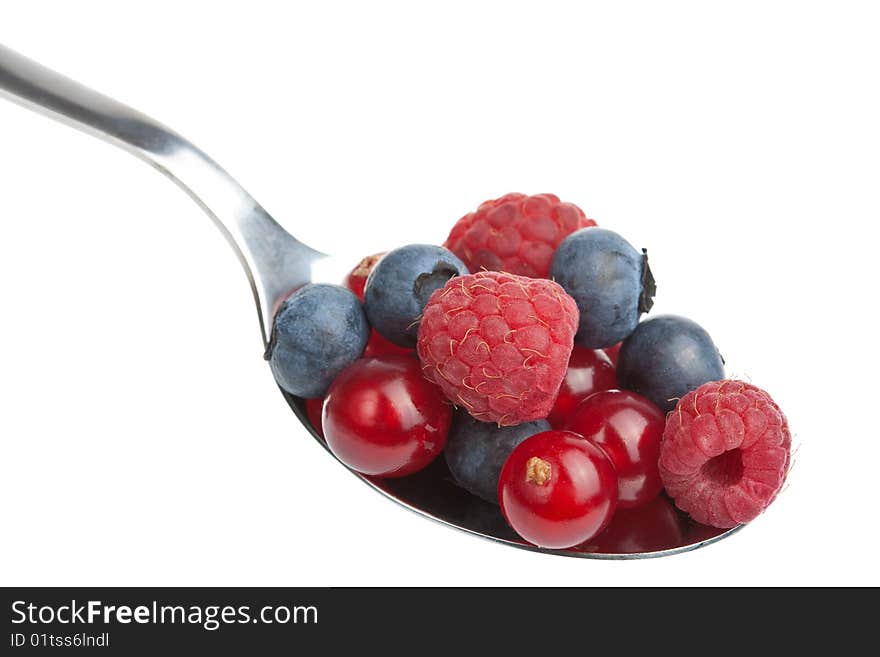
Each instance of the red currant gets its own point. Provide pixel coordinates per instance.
(651, 527)
(378, 346)
(612, 352)
(313, 412)
(589, 371)
(357, 277)
(557, 490)
(628, 428)
(383, 418)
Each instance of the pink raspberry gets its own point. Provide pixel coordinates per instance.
(498, 344)
(725, 453)
(515, 233)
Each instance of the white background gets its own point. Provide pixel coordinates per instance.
(143, 439)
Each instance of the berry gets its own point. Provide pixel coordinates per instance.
(652, 527)
(557, 490)
(515, 233)
(666, 357)
(400, 285)
(498, 344)
(476, 451)
(318, 331)
(381, 417)
(314, 407)
(610, 281)
(725, 453)
(589, 371)
(357, 277)
(628, 428)
(355, 281)
(613, 352)
(378, 346)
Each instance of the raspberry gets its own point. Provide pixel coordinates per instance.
(725, 453)
(498, 344)
(515, 233)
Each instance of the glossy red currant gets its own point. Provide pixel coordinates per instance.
(382, 417)
(557, 490)
(314, 407)
(589, 371)
(628, 428)
(651, 527)
(613, 352)
(379, 346)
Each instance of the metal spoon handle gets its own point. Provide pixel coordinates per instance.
(273, 260)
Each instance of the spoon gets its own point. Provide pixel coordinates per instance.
(275, 263)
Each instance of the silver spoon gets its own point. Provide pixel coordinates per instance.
(276, 263)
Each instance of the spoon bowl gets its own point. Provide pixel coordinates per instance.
(277, 263)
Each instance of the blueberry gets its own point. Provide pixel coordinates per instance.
(476, 451)
(399, 287)
(666, 357)
(610, 282)
(318, 331)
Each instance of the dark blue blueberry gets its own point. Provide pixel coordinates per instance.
(318, 331)
(399, 287)
(610, 282)
(666, 357)
(476, 451)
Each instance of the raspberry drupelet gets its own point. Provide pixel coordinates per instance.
(498, 344)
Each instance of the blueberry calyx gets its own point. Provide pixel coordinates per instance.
(649, 285)
(428, 282)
